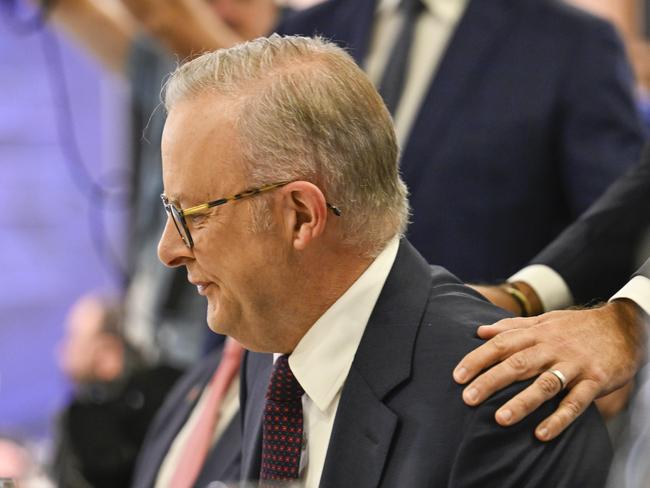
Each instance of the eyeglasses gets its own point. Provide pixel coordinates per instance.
(178, 215)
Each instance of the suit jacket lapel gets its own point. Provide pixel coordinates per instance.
(364, 425)
(361, 438)
(256, 373)
(222, 459)
(476, 36)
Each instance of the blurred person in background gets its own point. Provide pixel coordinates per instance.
(195, 437)
(143, 40)
(632, 19)
(18, 465)
(513, 117)
(15, 460)
(64, 240)
(116, 396)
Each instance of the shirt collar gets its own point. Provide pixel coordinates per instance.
(322, 359)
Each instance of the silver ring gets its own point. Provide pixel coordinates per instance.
(558, 374)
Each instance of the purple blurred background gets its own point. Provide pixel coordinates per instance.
(47, 222)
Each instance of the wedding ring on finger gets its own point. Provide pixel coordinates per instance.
(560, 376)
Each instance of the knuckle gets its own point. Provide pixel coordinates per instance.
(522, 404)
(510, 324)
(487, 380)
(571, 409)
(549, 385)
(500, 343)
(599, 374)
(499, 324)
(518, 362)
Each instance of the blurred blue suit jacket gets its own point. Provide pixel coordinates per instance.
(528, 119)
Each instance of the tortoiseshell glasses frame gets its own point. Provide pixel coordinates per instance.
(178, 214)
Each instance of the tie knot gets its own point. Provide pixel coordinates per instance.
(284, 386)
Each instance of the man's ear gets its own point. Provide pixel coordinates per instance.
(304, 212)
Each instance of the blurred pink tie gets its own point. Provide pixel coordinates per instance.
(199, 442)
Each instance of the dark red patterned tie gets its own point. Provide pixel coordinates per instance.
(282, 431)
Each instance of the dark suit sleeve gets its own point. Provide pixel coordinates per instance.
(600, 128)
(596, 254)
(491, 456)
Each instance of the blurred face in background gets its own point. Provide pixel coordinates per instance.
(249, 18)
(14, 460)
(87, 353)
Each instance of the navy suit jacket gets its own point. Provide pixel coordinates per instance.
(401, 420)
(596, 254)
(223, 461)
(528, 119)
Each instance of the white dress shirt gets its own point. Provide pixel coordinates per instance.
(554, 293)
(322, 359)
(432, 33)
(637, 290)
(552, 290)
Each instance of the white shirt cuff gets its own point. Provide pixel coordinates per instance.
(552, 290)
(637, 290)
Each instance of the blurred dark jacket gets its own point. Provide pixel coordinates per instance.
(101, 431)
(598, 253)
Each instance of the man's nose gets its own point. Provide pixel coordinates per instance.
(172, 251)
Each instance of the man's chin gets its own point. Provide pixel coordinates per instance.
(216, 325)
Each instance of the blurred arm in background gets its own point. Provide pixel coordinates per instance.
(104, 28)
(107, 28)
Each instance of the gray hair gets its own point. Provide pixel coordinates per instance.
(305, 111)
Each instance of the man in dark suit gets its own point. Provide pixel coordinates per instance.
(286, 208)
(515, 116)
(598, 349)
(223, 458)
(398, 423)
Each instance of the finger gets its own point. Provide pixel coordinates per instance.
(570, 408)
(520, 366)
(493, 351)
(545, 387)
(490, 331)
